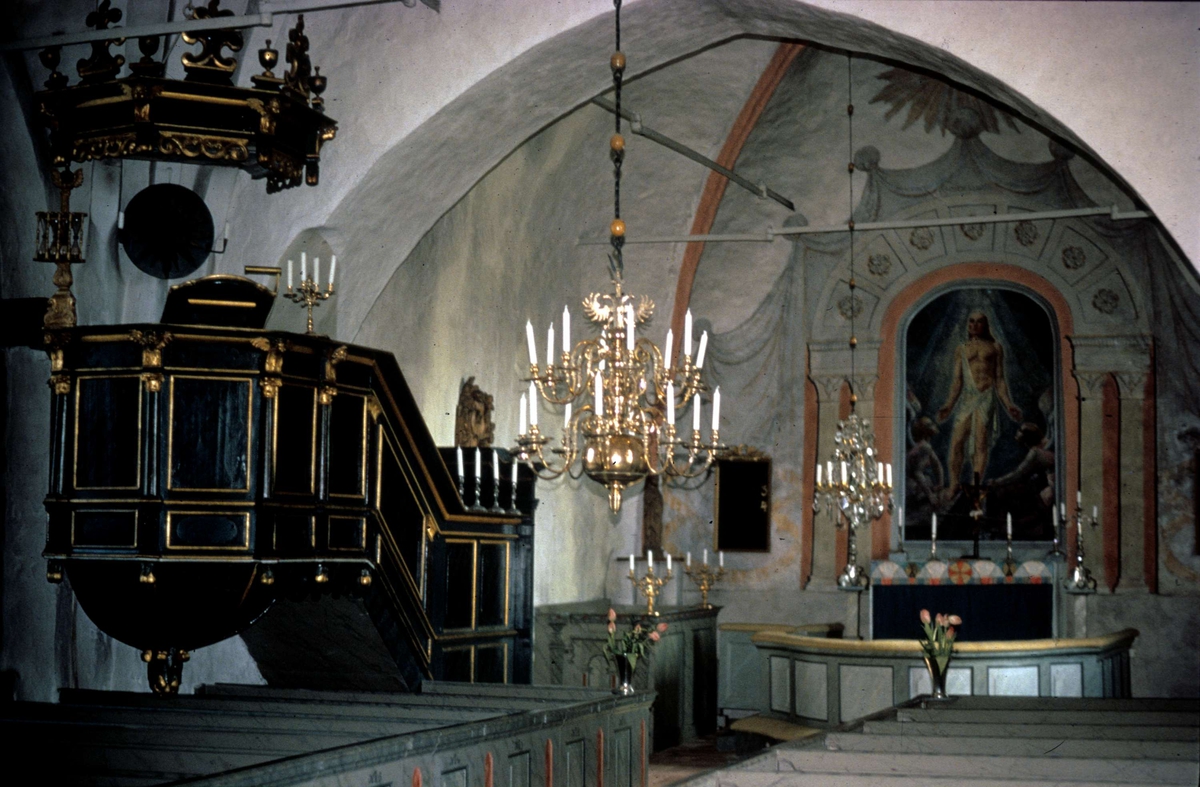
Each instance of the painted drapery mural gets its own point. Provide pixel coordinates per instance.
(980, 416)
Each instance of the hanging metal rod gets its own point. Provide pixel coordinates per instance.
(191, 25)
(635, 124)
(998, 218)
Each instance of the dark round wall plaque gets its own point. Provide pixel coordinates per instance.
(168, 231)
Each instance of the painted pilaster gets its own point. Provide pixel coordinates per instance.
(1132, 390)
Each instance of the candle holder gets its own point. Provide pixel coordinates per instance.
(649, 586)
(512, 483)
(1010, 565)
(1081, 580)
(309, 295)
(705, 578)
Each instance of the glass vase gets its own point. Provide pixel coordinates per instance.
(937, 678)
(624, 677)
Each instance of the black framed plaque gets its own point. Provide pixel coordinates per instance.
(742, 504)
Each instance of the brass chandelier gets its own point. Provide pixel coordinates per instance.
(856, 487)
(619, 392)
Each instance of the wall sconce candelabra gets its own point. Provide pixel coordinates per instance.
(1081, 580)
(648, 584)
(477, 505)
(854, 489)
(310, 295)
(704, 575)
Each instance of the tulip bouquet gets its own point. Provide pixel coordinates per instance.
(626, 649)
(938, 644)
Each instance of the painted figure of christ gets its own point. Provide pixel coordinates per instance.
(978, 387)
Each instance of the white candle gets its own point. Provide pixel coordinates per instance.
(289, 275)
(829, 472)
(332, 269)
(530, 343)
(721, 559)
(1079, 497)
(620, 315)
(704, 556)
(668, 562)
(478, 464)
(303, 267)
(687, 333)
(703, 348)
(316, 270)
(566, 338)
(716, 418)
(1054, 515)
(630, 323)
(599, 393)
(933, 533)
(1095, 513)
(550, 345)
(900, 513)
(496, 468)
(818, 474)
(514, 483)
(688, 559)
(1009, 526)
(524, 427)
(458, 459)
(1062, 510)
(889, 474)
(845, 474)
(650, 558)
(631, 563)
(567, 417)
(533, 404)
(670, 403)
(696, 413)
(670, 346)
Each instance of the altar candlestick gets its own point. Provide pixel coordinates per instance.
(716, 418)
(599, 395)
(550, 345)
(701, 351)
(670, 346)
(524, 427)
(1009, 526)
(533, 404)
(530, 343)
(566, 337)
(289, 274)
(696, 413)
(671, 403)
(303, 267)
(316, 270)
(458, 458)
(332, 269)
(478, 464)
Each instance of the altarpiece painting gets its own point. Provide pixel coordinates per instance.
(981, 416)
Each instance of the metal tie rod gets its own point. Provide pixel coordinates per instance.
(635, 124)
(998, 218)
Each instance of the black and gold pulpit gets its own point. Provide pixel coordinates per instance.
(201, 473)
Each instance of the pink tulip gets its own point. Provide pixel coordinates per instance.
(940, 619)
(925, 618)
(637, 629)
(612, 615)
(612, 627)
(661, 627)
(955, 620)
(654, 636)
(950, 633)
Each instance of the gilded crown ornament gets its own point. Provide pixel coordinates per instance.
(619, 392)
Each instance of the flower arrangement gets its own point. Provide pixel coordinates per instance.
(633, 644)
(938, 645)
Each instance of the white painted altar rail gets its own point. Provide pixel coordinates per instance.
(821, 681)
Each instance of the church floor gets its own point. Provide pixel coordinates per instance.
(684, 761)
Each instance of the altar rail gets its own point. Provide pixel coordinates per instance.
(824, 682)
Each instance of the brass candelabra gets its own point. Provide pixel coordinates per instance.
(1081, 580)
(309, 293)
(649, 585)
(705, 577)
